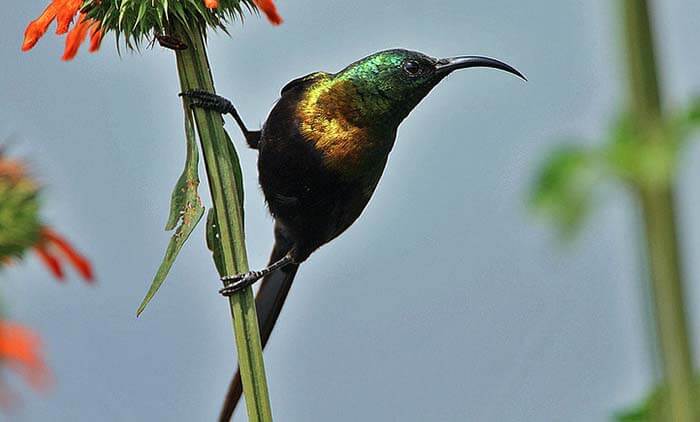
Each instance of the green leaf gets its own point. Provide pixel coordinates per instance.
(238, 175)
(622, 147)
(213, 237)
(185, 207)
(694, 111)
(654, 408)
(213, 242)
(563, 187)
(685, 123)
(636, 158)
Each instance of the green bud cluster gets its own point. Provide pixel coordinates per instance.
(19, 211)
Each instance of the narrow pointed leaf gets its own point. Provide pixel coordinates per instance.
(185, 207)
(213, 242)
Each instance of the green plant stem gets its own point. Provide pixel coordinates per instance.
(658, 206)
(194, 72)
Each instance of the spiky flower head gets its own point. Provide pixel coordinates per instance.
(135, 21)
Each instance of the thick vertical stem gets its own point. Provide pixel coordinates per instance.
(194, 72)
(644, 90)
(658, 206)
(667, 288)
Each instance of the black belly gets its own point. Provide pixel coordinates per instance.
(312, 203)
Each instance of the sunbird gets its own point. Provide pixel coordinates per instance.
(321, 153)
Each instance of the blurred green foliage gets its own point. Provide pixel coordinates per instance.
(565, 186)
(19, 210)
(655, 408)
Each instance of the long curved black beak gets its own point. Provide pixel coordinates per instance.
(445, 66)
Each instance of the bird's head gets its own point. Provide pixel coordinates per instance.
(389, 84)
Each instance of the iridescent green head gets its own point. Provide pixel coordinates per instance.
(389, 84)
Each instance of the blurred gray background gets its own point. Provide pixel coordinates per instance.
(446, 301)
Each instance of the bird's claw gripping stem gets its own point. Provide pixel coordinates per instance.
(235, 283)
(239, 282)
(208, 101)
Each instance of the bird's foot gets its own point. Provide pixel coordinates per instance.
(168, 41)
(239, 282)
(208, 101)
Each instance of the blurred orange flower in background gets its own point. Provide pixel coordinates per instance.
(21, 350)
(52, 247)
(22, 230)
(21, 227)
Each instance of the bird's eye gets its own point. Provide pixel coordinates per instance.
(411, 67)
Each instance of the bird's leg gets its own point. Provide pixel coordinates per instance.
(209, 101)
(241, 281)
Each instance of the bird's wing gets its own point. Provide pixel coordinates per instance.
(303, 80)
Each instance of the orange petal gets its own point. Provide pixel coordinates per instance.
(268, 7)
(38, 27)
(50, 261)
(22, 347)
(211, 4)
(76, 37)
(78, 261)
(96, 35)
(69, 8)
(12, 169)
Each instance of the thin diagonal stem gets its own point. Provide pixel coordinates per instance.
(194, 72)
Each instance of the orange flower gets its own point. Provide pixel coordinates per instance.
(38, 27)
(270, 10)
(267, 6)
(65, 15)
(96, 35)
(63, 12)
(20, 347)
(76, 36)
(52, 247)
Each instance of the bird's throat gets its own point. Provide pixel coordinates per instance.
(346, 125)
